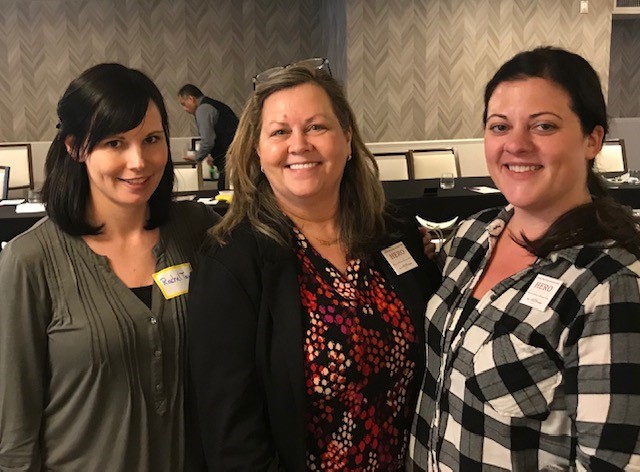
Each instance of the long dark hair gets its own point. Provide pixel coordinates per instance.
(603, 218)
(104, 100)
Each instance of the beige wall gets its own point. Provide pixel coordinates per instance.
(414, 69)
(217, 44)
(417, 68)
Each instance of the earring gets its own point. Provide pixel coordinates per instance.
(349, 157)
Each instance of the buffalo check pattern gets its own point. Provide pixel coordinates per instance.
(522, 389)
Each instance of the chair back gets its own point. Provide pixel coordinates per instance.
(18, 157)
(392, 165)
(4, 182)
(432, 163)
(188, 177)
(612, 157)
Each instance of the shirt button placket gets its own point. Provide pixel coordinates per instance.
(156, 367)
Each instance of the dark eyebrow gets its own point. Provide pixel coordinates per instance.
(533, 115)
(536, 115)
(496, 115)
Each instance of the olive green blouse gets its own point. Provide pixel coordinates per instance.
(90, 378)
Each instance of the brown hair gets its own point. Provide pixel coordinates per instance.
(361, 217)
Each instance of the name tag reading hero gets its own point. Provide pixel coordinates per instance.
(174, 280)
(541, 292)
(399, 258)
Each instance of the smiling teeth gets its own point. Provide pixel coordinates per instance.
(306, 165)
(137, 180)
(523, 168)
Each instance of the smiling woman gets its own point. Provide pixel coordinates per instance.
(531, 360)
(537, 153)
(319, 295)
(125, 169)
(91, 349)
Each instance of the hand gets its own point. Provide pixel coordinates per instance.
(428, 247)
(189, 158)
(209, 160)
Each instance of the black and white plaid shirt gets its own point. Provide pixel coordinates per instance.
(521, 388)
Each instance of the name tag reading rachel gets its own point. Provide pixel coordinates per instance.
(541, 292)
(174, 280)
(399, 258)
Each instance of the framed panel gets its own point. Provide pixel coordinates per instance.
(431, 163)
(18, 158)
(612, 157)
(392, 165)
(195, 144)
(188, 176)
(4, 182)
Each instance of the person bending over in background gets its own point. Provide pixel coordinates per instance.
(216, 124)
(306, 315)
(91, 350)
(533, 339)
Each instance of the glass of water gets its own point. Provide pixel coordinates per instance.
(447, 180)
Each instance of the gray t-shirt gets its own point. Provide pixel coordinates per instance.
(92, 379)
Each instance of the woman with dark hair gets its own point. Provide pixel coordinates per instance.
(311, 355)
(534, 336)
(91, 349)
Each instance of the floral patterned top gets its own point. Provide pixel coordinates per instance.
(361, 356)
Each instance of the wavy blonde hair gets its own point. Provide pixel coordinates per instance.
(361, 217)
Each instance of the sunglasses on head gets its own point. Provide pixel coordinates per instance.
(315, 63)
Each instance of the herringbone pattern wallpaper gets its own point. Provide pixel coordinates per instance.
(414, 69)
(624, 83)
(417, 69)
(216, 44)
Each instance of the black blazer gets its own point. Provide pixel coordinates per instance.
(245, 339)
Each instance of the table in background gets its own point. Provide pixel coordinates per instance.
(424, 198)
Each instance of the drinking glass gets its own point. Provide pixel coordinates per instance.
(447, 180)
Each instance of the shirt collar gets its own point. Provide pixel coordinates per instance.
(495, 228)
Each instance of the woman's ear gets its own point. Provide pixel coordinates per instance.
(69, 143)
(594, 142)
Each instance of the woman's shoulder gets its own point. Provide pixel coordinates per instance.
(601, 261)
(188, 224)
(242, 244)
(193, 212)
(37, 247)
(30, 244)
(243, 257)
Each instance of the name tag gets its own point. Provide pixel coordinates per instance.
(541, 292)
(399, 258)
(174, 280)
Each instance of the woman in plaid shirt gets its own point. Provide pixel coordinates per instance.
(533, 340)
